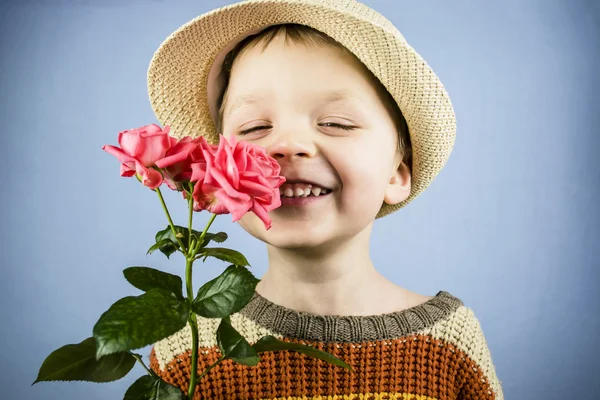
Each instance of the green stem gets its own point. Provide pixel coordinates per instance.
(162, 201)
(211, 367)
(143, 365)
(194, 327)
(190, 294)
(190, 216)
(210, 221)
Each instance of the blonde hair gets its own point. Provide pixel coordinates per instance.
(302, 34)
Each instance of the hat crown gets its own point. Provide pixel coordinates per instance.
(352, 7)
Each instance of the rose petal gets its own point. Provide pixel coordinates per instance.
(255, 188)
(119, 153)
(198, 172)
(236, 206)
(147, 144)
(261, 213)
(176, 154)
(224, 184)
(128, 169)
(150, 177)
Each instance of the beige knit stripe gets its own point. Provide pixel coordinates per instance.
(461, 329)
(180, 342)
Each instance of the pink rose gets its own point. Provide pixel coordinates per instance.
(238, 177)
(177, 163)
(140, 148)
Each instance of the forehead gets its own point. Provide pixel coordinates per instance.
(325, 96)
(321, 73)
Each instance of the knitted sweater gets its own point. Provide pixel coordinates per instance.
(432, 351)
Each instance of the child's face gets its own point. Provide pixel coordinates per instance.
(361, 164)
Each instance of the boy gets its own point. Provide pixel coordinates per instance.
(320, 85)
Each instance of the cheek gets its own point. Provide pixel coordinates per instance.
(363, 178)
(360, 168)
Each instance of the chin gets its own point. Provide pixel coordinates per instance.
(289, 236)
(294, 243)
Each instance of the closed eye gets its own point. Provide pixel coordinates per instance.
(257, 128)
(345, 127)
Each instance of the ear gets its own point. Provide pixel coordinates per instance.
(398, 188)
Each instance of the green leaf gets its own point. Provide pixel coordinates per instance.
(228, 293)
(150, 388)
(77, 362)
(218, 237)
(166, 247)
(229, 255)
(167, 233)
(145, 278)
(137, 321)
(271, 343)
(168, 242)
(233, 345)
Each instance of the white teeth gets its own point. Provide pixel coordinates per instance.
(298, 192)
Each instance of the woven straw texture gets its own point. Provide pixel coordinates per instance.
(179, 85)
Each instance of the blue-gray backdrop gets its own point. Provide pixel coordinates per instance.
(510, 225)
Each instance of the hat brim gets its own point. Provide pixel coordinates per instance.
(184, 81)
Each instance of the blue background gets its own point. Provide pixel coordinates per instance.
(510, 226)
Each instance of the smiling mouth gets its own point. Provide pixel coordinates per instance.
(299, 201)
(293, 191)
(323, 192)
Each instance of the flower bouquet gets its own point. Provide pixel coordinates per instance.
(231, 177)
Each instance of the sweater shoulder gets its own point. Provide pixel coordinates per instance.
(462, 330)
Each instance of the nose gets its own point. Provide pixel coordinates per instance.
(286, 147)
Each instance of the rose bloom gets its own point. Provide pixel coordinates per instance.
(238, 177)
(139, 150)
(177, 163)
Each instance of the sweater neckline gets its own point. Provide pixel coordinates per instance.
(349, 328)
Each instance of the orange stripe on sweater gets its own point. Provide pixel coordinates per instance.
(417, 365)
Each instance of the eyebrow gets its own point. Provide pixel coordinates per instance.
(331, 97)
(242, 101)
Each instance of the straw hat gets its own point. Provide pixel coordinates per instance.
(184, 84)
